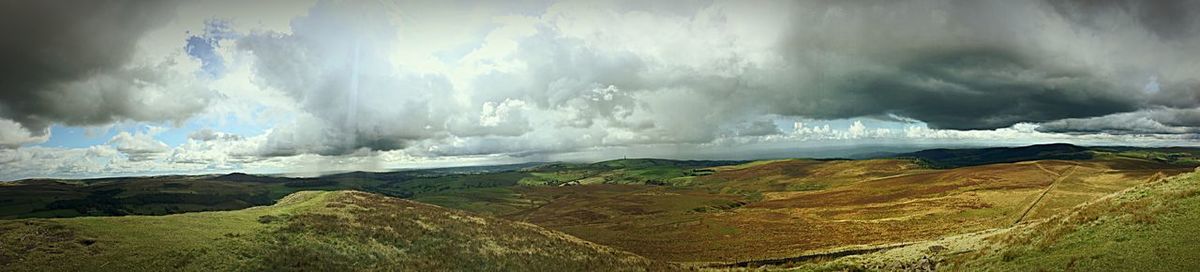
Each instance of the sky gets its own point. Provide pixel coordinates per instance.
(115, 88)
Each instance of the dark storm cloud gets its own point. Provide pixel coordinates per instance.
(69, 62)
(979, 64)
(966, 89)
(1168, 19)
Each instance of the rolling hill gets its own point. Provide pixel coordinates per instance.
(778, 209)
(1148, 227)
(950, 158)
(306, 231)
(712, 214)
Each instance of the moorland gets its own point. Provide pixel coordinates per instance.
(1055, 206)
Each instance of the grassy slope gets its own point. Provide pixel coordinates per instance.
(305, 231)
(1149, 227)
(205, 241)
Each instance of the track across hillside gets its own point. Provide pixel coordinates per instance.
(1061, 177)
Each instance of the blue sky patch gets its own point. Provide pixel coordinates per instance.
(204, 46)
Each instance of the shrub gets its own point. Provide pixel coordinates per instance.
(267, 219)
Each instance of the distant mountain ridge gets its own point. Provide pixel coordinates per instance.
(951, 158)
(168, 194)
(243, 177)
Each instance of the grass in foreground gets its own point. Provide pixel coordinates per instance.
(1149, 227)
(309, 231)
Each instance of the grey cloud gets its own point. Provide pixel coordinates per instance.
(13, 135)
(566, 73)
(1155, 121)
(1183, 94)
(366, 102)
(969, 89)
(139, 146)
(1167, 19)
(586, 76)
(70, 62)
(336, 65)
(952, 64)
(759, 128)
(206, 134)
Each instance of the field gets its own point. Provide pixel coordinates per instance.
(828, 214)
(318, 231)
(796, 207)
(1148, 227)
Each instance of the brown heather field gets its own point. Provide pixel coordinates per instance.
(780, 209)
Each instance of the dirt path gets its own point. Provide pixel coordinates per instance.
(1043, 168)
(1044, 192)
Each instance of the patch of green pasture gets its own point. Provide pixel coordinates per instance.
(491, 201)
(200, 241)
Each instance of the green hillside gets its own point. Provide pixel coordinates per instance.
(1147, 228)
(306, 231)
(1150, 227)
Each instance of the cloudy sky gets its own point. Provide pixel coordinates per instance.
(105, 88)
